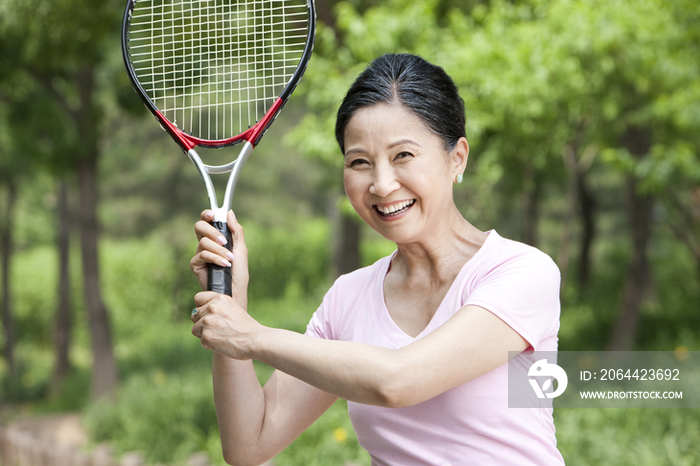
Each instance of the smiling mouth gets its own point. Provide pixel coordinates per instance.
(395, 209)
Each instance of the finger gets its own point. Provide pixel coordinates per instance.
(206, 230)
(197, 329)
(198, 262)
(238, 248)
(202, 259)
(213, 253)
(199, 315)
(203, 298)
(211, 258)
(239, 271)
(207, 215)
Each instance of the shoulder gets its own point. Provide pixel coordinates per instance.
(351, 297)
(362, 277)
(502, 254)
(520, 285)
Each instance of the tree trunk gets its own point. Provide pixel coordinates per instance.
(531, 207)
(578, 198)
(638, 275)
(347, 251)
(6, 250)
(638, 142)
(587, 206)
(64, 318)
(564, 255)
(345, 240)
(104, 370)
(686, 224)
(324, 12)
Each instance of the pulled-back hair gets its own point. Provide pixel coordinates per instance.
(420, 86)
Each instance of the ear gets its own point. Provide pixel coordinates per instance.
(459, 157)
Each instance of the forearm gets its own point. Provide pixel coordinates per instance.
(447, 357)
(353, 371)
(240, 405)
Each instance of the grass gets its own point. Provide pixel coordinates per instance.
(629, 437)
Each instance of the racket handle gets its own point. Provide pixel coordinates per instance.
(219, 278)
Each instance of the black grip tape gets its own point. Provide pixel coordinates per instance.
(219, 278)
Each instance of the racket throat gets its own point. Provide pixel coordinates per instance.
(234, 168)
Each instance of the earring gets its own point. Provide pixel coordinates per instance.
(459, 178)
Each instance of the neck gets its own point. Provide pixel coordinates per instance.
(442, 256)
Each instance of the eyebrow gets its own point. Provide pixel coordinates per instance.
(390, 146)
(403, 141)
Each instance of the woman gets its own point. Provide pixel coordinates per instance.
(418, 342)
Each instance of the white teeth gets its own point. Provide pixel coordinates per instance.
(388, 210)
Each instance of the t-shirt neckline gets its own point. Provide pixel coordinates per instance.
(389, 327)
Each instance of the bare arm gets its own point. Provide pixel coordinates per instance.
(472, 343)
(255, 423)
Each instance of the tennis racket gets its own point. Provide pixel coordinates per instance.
(216, 73)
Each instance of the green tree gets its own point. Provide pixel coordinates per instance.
(23, 147)
(63, 45)
(579, 78)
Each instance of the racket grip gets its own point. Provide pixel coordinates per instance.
(219, 278)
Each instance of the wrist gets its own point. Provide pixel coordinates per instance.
(266, 343)
(258, 341)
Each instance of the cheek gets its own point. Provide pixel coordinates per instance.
(351, 184)
(355, 189)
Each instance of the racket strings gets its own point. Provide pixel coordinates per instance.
(214, 67)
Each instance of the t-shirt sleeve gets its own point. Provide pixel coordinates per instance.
(348, 300)
(321, 325)
(522, 289)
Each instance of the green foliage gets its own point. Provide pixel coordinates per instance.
(139, 283)
(284, 260)
(165, 416)
(329, 441)
(164, 407)
(628, 437)
(35, 288)
(31, 384)
(168, 417)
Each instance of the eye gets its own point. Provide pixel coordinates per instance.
(357, 162)
(403, 155)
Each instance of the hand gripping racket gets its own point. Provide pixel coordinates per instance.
(216, 73)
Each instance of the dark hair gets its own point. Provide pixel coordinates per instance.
(422, 87)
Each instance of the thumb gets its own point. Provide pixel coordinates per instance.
(239, 268)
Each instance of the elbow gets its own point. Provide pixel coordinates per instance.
(397, 388)
(395, 397)
(233, 459)
(241, 458)
(391, 399)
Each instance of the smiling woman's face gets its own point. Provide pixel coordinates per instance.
(397, 173)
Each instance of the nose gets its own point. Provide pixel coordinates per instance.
(384, 181)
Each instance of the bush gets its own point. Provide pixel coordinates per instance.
(166, 417)
(280, 259)
(628, 437)
(330, 440)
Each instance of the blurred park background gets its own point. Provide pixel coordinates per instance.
(584, 126)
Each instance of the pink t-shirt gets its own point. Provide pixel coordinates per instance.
(470, 424)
